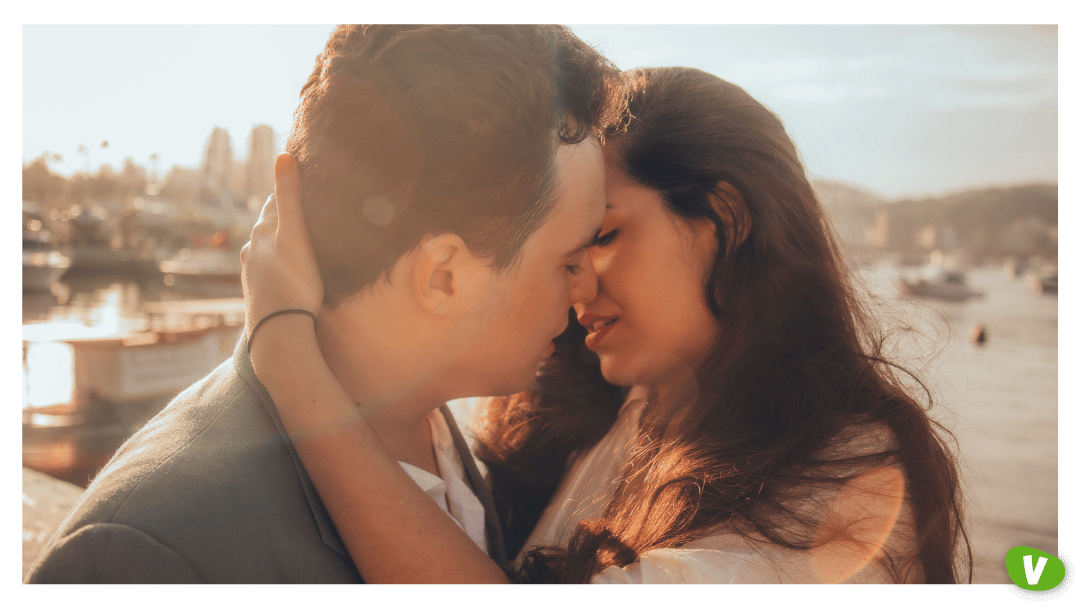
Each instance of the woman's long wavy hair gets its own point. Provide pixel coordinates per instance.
(797, 367)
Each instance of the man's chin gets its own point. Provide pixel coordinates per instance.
(513, 387)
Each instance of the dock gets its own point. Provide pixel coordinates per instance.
(46, 501)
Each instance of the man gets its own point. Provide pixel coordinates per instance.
(451, 183)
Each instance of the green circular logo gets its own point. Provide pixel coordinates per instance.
(1038, 576)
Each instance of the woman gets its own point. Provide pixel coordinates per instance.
(764, 438)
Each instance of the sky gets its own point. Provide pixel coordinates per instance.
(901, 110)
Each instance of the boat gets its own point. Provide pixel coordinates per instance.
(88, 389)
(99, 245)
(42, 269)
(96, 260)
(124, 372)
(43, 264)
(1014, 268)
(949, 284)
(218, 266)
(1045, 281)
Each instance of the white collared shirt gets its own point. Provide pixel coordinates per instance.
(451, 491)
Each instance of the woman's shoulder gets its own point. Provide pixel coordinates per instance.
(728, 558)
(867, 523)
(696, 564)
(866, 520)
(863, 529)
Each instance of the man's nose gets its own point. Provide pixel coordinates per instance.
(585, 286)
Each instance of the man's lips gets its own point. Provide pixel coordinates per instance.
(597, 326)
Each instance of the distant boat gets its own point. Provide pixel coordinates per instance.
(1014, 268)
(103, 260)
(1045, 281)
(42, 269)
(942, 284)
(97, 246)
(204, 266)
(42, 262)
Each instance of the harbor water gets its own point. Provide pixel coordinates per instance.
(998, 397)
(71, 439)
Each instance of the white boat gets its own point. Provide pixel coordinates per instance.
(948, 284)
(183, 342)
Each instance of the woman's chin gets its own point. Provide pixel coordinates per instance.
(617, 372)
(656, 368)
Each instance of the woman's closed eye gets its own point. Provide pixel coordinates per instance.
(598, 241)
(605, 239)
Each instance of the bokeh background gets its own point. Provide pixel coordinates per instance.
(148, 150)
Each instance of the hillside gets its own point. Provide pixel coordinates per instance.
(1013, 220)
(988, 206)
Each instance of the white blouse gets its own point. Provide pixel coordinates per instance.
(724, 557)
(449, 489)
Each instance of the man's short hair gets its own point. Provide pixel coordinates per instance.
(408, 130)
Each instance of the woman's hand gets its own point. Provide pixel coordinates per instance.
(279, 268)
(395, 534)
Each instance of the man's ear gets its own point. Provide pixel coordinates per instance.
(731, 207)
(436, 271)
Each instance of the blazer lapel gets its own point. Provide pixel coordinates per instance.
(327, 531)
(497, 547)
(328, 534)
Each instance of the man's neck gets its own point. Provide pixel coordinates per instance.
(413, 444)
(386, 377)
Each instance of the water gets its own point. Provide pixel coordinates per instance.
(999, 398)
(68, 441)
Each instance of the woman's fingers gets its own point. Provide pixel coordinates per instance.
(288, 208)
(279, 266)
(266, 226)
(269, 209)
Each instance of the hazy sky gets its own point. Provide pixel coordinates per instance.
(900, 110)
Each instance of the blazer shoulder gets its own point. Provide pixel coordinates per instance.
(213, 479)
(171, 441)
(111, 553)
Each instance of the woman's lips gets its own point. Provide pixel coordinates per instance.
(598, 327)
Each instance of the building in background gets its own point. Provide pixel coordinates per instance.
(259, 168)
(217, 168)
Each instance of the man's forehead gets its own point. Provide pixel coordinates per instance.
(579, 196)
(579, 174)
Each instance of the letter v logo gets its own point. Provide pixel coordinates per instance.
(1033, 574)
(1034, 570)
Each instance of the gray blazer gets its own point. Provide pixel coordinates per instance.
(211, 491)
